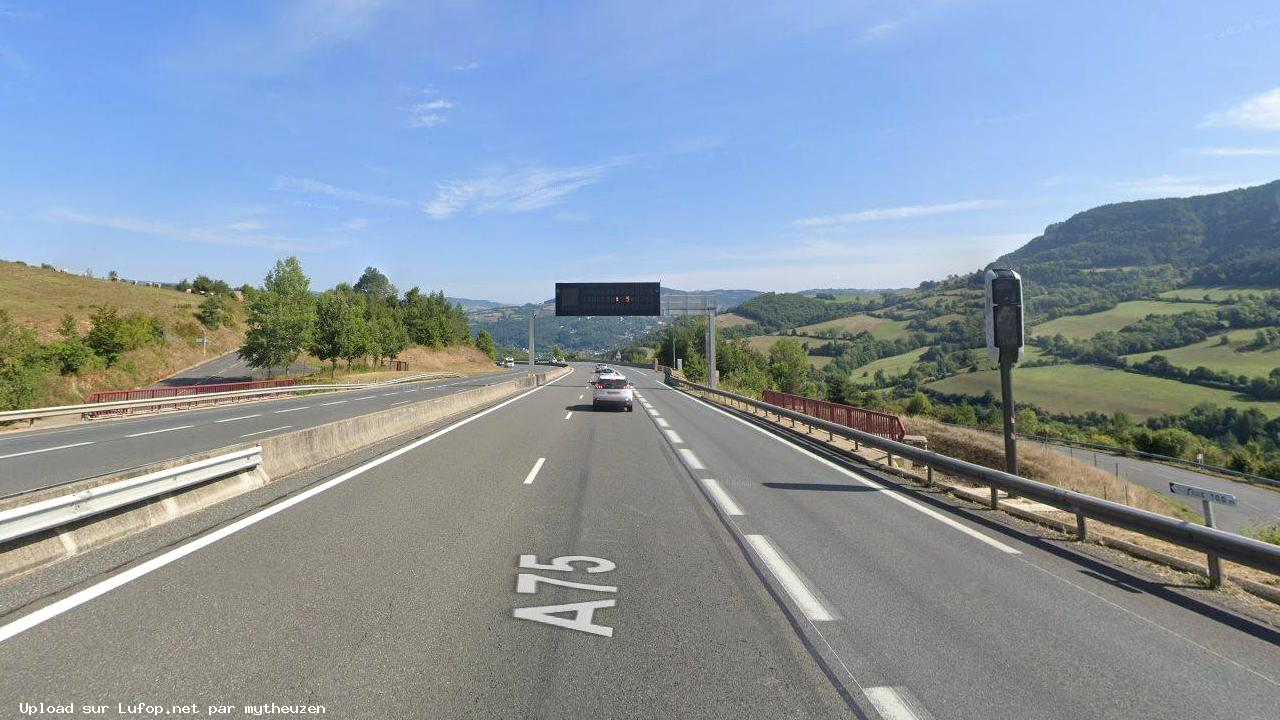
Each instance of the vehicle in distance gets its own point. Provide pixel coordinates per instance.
(610, 390)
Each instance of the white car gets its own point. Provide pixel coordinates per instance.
(612, 389)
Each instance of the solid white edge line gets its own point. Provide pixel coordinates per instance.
(896, 704)
(528, 479)
(721, 497)
(59, 607)
(691, 460)
(242, 417)
(790, 580)
(949, 522)
(48, 449)
(162, 430)
(282, 427)
(674, 437)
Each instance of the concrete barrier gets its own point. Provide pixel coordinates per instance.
(283, 455)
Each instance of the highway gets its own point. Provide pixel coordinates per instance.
(227, 367)
(1255, 504)
(542, 560)
(38, 458)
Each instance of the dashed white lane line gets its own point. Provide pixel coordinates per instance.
(674, 437)
(691, 460)
(662, 422)
(366, 397)
(896, 704)
(289, 410)
(162, 430)
(48, 449)
(242, 417)
(790, 580)
(568, 415)
(282, 427)
(652, 412)
(398, 403)
(528, 479)
(872, 484)
(721, 497)
(390, 394)
(335, 402)
(579, 396)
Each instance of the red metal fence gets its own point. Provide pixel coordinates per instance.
(185, 395)
(868, 421)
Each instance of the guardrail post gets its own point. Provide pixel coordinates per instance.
(1215, 565)
(1081, 530)
(995, 498)
(928, 480)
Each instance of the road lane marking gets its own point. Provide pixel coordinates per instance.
(48, 449)
(335, 402)
(162, 430)
(366, 397)
(896, 704)
(691, 460)
(579, 396)
(390, 394)
(54, 609)
(287, 410)
(662, 423)
(282, 427)
(242, 417)
(398, 403)
(568, 415)
(721, 497)
(790, 580)
(528, 479)
(674, 437)
(885, 491)
(652, 412)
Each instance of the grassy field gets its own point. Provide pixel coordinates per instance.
(893, 365)
(1228, 358)
(762, 343)
(1080, 388)
(880, 328)
(1217, 294)
(37, 299)
(1126, 313)
(729, 320)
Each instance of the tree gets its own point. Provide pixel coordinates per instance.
(387, 335)
(789, 367)
(484, 343)
(112, 275)
(376, 285)
(919, 405)
(281, 317)
(213, 312)
(339, 329)
(20, 367)
(107, 333)
(209, 286)
(183, 285)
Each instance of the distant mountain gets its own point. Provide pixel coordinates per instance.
(725, 299)
(1227, 238)
(468, 304)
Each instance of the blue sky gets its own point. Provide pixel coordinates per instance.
(492, 149)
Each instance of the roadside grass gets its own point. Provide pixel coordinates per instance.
(880, 328)
(1126, 313)
(1044, 465)
(1228, 358)
(1266, 532)
(465, 360)
(1078, 389)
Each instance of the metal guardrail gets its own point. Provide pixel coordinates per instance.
(36, 413)
(870, 421)
(1230, 546)
(35, 517)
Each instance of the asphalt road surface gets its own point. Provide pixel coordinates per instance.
(543, 560)
(30, 460)
(225, 368)
(1254, 504)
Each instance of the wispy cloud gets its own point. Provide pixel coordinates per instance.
(245, 226)
(429, 113)
(1235, 151)
(879, 30)
(357, 224)
(810, 250)
(169, 231)
(893, 213)
(513, 191)
(1245, 27)
(1162, 186)
(467, 66)
(1260, 112)
(317, 187)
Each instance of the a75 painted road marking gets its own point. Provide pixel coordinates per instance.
(583, 618)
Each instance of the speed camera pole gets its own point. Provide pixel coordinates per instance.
(1003, 294)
